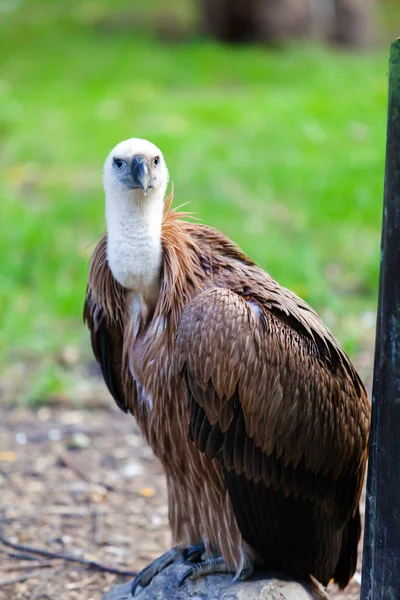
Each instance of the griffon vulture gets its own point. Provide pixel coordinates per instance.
(254, 410)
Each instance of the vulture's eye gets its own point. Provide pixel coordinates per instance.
(156, 161)
(119, 163)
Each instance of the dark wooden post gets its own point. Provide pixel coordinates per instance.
(381, 566)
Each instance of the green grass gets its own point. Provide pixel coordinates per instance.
(282, 150)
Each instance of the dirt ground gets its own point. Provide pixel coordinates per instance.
(81, 482)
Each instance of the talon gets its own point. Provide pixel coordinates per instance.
(207, 567)
(145, 577)
(185, 576)
(193, 554)
(140, 579)
(246, 572)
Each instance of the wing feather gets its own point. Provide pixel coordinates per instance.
(103, 313)
(106, 342)
(278, 412)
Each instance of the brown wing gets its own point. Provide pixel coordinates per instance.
(289, 429)
(103, 314)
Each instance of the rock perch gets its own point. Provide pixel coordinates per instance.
(217, 587)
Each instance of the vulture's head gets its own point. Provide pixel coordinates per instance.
(135, 171)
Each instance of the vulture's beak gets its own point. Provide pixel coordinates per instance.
(140, 172)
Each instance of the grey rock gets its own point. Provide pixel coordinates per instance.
(217, 587)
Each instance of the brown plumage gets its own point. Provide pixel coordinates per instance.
(254, 410)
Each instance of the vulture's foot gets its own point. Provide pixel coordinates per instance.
(144, 578)
(212, 566)
(162, 562)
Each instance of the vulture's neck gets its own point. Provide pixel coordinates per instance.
(134, 250)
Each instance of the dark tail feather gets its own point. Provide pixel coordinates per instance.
(348, 556)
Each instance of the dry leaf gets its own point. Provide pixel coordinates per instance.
(146, 492)
(7, 456)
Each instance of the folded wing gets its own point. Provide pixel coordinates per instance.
(288, 424)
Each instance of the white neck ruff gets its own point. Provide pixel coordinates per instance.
(134, 250)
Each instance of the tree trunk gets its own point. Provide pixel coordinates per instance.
(353, 24)
(237, 21)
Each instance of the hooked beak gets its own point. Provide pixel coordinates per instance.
(140, 173)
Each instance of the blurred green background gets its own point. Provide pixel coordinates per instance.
(282, 148)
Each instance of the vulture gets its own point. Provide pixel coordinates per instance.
(253, 408)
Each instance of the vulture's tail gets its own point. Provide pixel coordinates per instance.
(348, 556)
